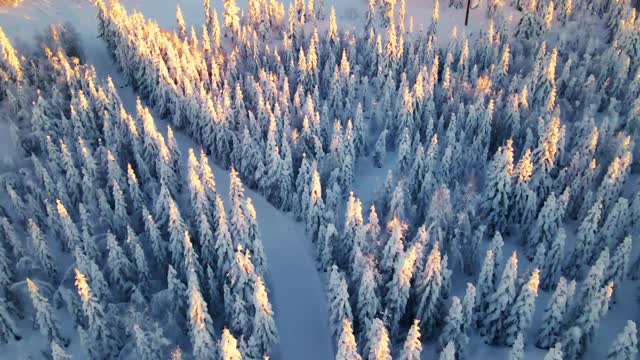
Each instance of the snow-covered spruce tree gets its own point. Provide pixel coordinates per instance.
(554, 316)
(101, 336)
(468, 303)
(392, 250)
(594, 281)
(41, 249)
(552, 267)
(368, 303)
(449, 352)
(58, 353)
(380, 149)
(493, 326)
(316, 207)
(120, 267)
(496, 247)
(412, 346)
(485, 287)
(176, 291)
(589, 318)
(625, 347)
(521, 312)
(571, 343)
(453, 330)
(265, 334)
(547, 223)
(517, 349)
(200, 322)
(45, 318)
(429, 292)
(228, 346)
(153, 235)
(223, 245)
(404, 152)
(554, 353)
(524, 200)
(397, 294)
(471, 252)
(149, 343)
(585, 242)
(615, 225)
(378, 343)
(347, 347)
(618, 267)
(339, 306)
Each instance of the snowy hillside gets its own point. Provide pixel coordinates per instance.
(320, 179)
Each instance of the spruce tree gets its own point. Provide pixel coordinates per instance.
(554, 316)
(378, 342)
(412, 345)
(551, 268)
(265, 334)
(517, 348)
(347, 347)
(521, 312)
(625, 347)
(45, 318)
(41, 249)
(453, 328)
(485, 287)
(499, 304)
(339, 307)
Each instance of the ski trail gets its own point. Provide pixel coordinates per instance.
(296, 289)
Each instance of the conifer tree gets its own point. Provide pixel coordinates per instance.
(495, 203)
(58, 353)
(547, 224)
(585, 241)
(618, 267)
(45, 318)
(625, 347)
(449, 352)
(347, 347)
(499, 303)
(554, 316)
(397, 294)
(229, 346)
(368, 303)
(8, 327)
(517, 349)
(429, 291)
(551, 269)
(339, 306)
(412, 345)
(521, 312)
(380, 149)
(100, 339)
(41, 249)
(265, 334)
(224, 246)
(200, 323)
(468, 303)
(485, 287)
(378, 342)
(554, 353)
(453, 328)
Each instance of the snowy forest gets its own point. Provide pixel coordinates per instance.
(318, 179)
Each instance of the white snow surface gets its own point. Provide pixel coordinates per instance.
(296, 289)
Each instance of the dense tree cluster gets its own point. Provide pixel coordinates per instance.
(496, 138)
